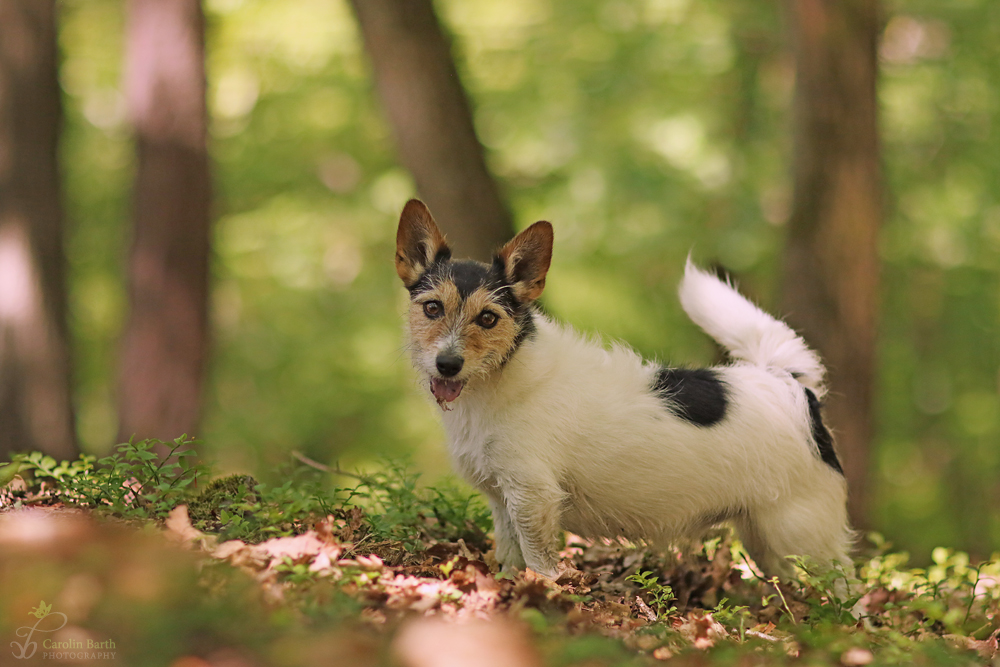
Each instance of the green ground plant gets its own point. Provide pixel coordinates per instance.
(132, 483)
(400, 548)
(660, 595)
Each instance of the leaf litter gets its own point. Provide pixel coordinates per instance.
(404, 569)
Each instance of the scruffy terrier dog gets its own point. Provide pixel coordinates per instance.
(561, 433)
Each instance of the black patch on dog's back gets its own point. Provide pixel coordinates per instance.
(696, 395)
(821, 435)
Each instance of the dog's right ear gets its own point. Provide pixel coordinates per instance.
(419, 242)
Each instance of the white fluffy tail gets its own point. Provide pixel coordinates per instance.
(745, 330)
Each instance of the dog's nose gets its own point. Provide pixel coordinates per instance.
(449, 364)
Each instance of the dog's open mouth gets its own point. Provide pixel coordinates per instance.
(446, 391)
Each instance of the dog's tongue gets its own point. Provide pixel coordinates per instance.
(446, 391)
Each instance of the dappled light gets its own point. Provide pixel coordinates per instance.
(199, 203)
(661, 130)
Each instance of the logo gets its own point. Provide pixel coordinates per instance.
(53, 621)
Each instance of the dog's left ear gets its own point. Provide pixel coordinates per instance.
(419, 242)
(526, 260)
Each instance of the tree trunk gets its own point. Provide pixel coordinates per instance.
(430, 116)
(165, 342)
(35, 405)
(831, 265)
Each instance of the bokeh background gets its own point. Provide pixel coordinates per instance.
(641, 129)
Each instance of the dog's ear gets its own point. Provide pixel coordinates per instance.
(419, 242)
(526, 260)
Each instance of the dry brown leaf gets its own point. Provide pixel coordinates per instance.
(180, 530)
(761, 635)
(490, 558)
(228, 549)
(701, 630)
(647, 642)
(645, 609)
(663, 653)
(300, 548)
(434, 642)
(570, 576)
(44, 528)
(986, 648)
(856, 657)
(371, 563)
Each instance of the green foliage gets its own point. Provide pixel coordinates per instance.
(888, 612)
(133, 482)
(737, 617)
(829, 589)
(400, 511)
(660, 595)
(8, 471)
(239, 507)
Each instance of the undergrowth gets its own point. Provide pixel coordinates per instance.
(884, 611)
(134, 483)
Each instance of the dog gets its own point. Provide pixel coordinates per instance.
(561, 433)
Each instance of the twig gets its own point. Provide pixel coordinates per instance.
(302, 458)
(750, 567)
(774, 582)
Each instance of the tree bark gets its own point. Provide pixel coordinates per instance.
(831, 281)
(432, 122)
(165, 343)
(35, 401)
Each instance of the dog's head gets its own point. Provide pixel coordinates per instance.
(467, 318)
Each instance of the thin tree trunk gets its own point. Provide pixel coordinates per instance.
(430, 116)
(831, 265)
(35, 405)
(166, 338)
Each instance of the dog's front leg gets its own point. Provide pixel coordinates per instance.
(508, 548)
(534, 511)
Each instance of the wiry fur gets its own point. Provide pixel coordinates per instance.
(747, 332)
(568, 435)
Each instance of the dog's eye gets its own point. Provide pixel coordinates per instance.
(486, 319)
(433, 309)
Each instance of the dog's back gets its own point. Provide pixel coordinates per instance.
(600, 436)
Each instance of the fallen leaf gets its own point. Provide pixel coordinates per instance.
(702, 630)
(663, 653)
(645, 609)
(179, 528)
(434, 642)
(856, 657)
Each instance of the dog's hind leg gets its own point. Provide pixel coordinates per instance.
(757, 545)
(813, 525)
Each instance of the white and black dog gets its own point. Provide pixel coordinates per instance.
(561, 433)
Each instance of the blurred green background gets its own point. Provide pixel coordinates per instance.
(642, 129)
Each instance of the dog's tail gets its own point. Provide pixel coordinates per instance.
(745, 330)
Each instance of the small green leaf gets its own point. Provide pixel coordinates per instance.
(8, 471)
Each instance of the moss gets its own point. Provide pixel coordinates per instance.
(235, 492)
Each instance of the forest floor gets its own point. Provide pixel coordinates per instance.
(135, 560)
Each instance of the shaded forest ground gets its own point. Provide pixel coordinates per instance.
(149, 560)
